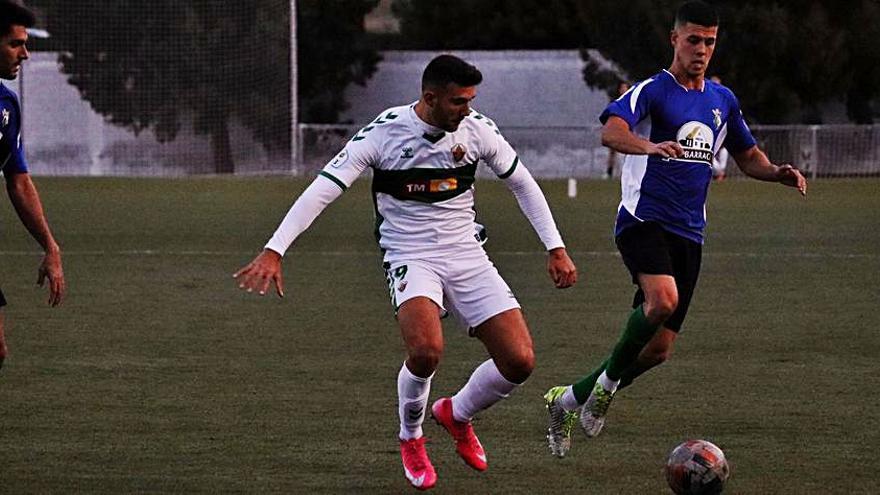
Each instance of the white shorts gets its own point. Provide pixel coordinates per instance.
(467, 285)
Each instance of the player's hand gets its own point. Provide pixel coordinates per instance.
(792, 177)
(50, 269)
(666, 149)
(262, 271)
(561, 269)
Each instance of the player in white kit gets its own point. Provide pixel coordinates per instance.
(424, 158)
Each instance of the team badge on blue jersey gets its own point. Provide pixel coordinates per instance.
(716, 115)
(458, 152)
(5, 121)
(697, 139)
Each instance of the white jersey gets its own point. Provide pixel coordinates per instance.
(423, 179)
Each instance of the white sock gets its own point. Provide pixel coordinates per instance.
(567, 400)
(412, 396)
(607, 383)
(485, 387)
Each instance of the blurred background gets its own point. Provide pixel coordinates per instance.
(168, 88)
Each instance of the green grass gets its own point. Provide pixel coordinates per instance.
(157, 375)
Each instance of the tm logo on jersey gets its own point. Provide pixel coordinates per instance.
(697, 139)
(433, 185)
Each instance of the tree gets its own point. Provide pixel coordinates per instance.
(488, 24)
(333, 53)
(784, 59)
(155, 65)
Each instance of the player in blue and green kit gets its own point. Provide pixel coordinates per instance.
(669, 127)
(14, 21)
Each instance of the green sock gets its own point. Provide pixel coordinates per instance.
(583, 388)
(635, 336)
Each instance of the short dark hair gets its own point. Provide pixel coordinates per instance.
(445, 69)
(14, 14)
(699, 13)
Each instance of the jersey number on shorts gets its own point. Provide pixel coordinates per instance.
(396, 282)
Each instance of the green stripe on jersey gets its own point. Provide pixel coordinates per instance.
(333, 179)
(510, 170)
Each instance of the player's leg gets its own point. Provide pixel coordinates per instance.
(417, 291)
(660, 301)
(640, 346)
(656, 301)
(422, 334)
(507, 339)
(419, 320)
(655, 353)
(646, 254)
(512, 360)
(664, 299)
(686, 260)
(484, 303)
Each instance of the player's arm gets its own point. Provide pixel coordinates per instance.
(26, 201)
(754, 163)
(617, 135)
(534, 206)
(337, 176)
(265, 268)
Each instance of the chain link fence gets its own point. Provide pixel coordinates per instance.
(561, 152)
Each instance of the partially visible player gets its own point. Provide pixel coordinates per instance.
(424, 157)
(670, 127)
(622, 88)
(14, 21)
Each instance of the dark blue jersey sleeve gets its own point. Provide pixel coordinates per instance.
(739, 137)
(632, 106)
(11, 151)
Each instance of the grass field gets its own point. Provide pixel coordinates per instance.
(157, 375)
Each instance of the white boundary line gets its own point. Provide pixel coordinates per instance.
(159, 252)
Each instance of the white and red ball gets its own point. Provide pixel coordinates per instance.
(697, 467)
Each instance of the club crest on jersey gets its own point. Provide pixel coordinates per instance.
(458, 152)
(401, 286)
(716, 114)
(697, 140)
(407, 153)
(5, 121)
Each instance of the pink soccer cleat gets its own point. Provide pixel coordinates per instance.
(466, 443)
(416, 466)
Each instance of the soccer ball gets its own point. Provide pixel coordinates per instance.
(697, 467)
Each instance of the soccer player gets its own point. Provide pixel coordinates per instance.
(669, 127)
(14, 21)
(622, 88)
(424, 156)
